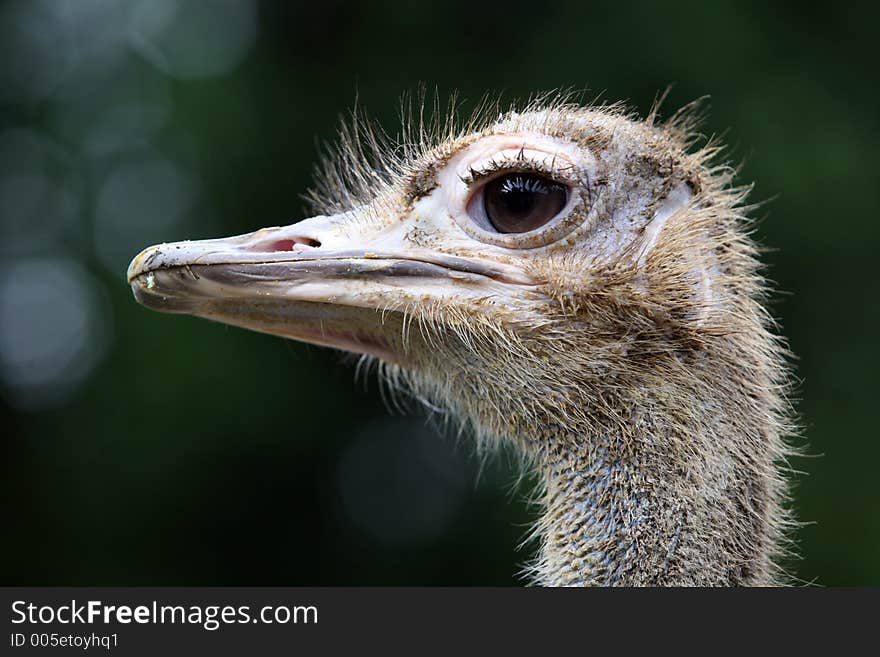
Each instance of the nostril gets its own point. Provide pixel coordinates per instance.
(281, 245)
(287, 244)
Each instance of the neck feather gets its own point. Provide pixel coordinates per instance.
(661, 503)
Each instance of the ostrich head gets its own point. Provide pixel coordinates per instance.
(572, 279)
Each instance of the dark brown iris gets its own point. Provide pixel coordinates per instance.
(520, 202)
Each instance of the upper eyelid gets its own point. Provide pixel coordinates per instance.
(558, 168)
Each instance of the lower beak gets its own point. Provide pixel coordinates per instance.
(307, 282)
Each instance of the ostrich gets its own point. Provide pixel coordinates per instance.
(570, 279)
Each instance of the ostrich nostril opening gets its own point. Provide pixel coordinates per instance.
(287, 244)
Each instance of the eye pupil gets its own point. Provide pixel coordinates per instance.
(520, 202)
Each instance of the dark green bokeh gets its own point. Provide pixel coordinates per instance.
(200, 454)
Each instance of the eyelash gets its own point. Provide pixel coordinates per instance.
(520, 164)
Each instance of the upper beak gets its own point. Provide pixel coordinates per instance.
(316, 281)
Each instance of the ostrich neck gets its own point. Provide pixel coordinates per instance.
(652, 508)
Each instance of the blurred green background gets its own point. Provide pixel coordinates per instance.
(149, 449)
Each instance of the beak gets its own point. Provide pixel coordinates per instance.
(323, 280)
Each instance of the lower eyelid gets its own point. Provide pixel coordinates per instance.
(479, 227)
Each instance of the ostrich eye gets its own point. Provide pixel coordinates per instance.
(520, 202)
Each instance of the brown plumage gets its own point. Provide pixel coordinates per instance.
(622, 345)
